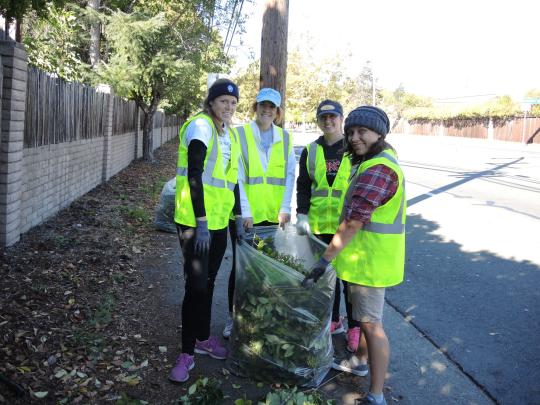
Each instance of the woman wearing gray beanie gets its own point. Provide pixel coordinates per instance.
(368, 249)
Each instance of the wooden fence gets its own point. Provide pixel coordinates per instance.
(124, 116)
(517, 129)
(60, 140)
(58, 111)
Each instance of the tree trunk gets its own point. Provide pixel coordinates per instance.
(148, 135)
(95, 35)
(274, 48)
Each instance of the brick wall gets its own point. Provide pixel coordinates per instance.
(37, 182)
(122, 151)
(13, 62)
(56, 175)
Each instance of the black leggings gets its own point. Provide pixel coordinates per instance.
(327, 238)
(232, 277)
(200, 275)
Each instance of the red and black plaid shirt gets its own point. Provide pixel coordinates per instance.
(373, 188)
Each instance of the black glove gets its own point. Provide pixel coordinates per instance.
(315, 273)
(202, 238)
(240, 232)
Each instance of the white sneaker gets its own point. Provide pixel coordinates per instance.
(228, 328)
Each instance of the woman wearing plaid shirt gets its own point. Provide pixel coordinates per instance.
(368, 250)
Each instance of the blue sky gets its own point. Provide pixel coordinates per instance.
(441, 49)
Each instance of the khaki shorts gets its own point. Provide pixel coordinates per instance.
(367, 302)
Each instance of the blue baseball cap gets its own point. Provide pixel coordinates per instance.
(329, 107)
(268, 94)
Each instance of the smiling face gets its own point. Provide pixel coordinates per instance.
(223, 108)
(361, 139)
(330, 124)
(266, 113)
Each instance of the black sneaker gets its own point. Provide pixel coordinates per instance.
(352, 365)
(369, 400)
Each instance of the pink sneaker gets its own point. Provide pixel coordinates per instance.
(184, 363)
(336, 327)
(211, 347)
(353, 339)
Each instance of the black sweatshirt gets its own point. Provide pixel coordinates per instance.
(333, 155)
(196, 155)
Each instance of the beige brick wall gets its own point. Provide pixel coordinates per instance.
(56, 175)
(36, 183)
(123, 151)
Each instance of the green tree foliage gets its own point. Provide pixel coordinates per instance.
(502, 106)
(55, 44)
(362, 89)
(396, 103)
(499, 107)
(58, 39)
(16, 9)
(248, 83)
(307, 85)
(158, 52)
(535, 108)
(304, 88)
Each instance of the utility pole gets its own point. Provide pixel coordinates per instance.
(274, 48)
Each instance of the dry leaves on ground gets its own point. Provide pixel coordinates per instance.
(70, 296)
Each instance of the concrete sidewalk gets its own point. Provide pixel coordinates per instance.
(418, 374)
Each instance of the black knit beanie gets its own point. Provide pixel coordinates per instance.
(369, 117)
(223, 87)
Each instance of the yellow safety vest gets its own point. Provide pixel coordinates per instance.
(326, 202)
(375, 256)
(264, 191)
(218, 184)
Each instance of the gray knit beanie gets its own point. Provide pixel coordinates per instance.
(369, 117)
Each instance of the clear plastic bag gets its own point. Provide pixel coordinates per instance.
(281, 330)
(164, 212)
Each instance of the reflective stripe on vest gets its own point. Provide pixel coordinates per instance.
(218, 182)
(312, 160)
(326, 201)
(387, 229)
(264, 188)
(324, 193)
(245, 154)
(375, 256)
(397, 227)
(207, 179)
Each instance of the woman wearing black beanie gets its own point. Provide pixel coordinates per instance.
(368, 249)
(206, 194)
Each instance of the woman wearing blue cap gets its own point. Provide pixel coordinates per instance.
(269, 167)
(206, 194)
(368, 249)
(322, 180)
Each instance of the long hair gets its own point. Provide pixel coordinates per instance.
(375, 149)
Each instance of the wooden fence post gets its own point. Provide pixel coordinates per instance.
(107, 136)
(14, 65)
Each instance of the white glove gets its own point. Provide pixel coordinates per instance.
(302, 224)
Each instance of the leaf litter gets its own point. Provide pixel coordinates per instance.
(72, 296)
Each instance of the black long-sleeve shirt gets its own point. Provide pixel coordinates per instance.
(333, 155)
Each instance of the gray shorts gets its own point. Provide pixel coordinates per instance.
(367, 303)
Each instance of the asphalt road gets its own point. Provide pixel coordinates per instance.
(473, 258)
(472, 287)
